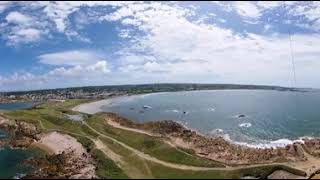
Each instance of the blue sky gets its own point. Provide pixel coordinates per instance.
(63, 44)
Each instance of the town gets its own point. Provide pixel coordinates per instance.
(103, 92)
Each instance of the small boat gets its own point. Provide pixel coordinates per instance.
(146, 107)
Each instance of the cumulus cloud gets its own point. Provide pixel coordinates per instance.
(4, 5)
(18, 18)
(71, 75)
(20, 28)
(247, 9)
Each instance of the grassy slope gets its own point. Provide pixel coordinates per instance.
(49, 117)
(150, 145)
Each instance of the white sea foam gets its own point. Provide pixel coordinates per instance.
(147, 107)
(271, 144)
(246, 125)
(264, 144)
(216, 131)
(19, 176)
(173, 110)
(212, 109)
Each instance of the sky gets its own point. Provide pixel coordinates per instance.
(66, 44)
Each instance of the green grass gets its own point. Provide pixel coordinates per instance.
(151, 145)
(106, 168)
(261, 172)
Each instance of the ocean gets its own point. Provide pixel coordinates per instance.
(257, 118)
(11, 159)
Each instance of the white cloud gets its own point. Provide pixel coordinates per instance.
(18, 18)
(20, 28)
(18, 36)
(193, 51)
(269, 4)
(310, 11)
(72, 58)
(4, 5)
(247, 9)
(176, 48)
(100, 67)
(75, 75)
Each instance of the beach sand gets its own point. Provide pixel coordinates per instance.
(93, 107)
(56, 143)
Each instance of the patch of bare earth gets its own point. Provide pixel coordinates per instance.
(280, 174)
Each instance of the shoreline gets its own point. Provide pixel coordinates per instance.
(77, 162)
(96, 107)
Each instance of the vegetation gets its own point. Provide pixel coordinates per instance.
(151, 145)
(106, 167)
(148, 88)
(51, 117)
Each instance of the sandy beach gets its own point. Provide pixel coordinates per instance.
(56, 143)
(93, 107)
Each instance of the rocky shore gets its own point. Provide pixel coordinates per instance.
(66, 157)
(217, 148)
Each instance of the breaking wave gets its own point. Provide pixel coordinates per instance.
(246, 125)
(173, 110)
(266, 144)
(271, 144)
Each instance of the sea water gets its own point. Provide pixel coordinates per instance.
(258, 118)
(11, 159)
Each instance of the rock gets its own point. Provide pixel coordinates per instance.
(281, 174)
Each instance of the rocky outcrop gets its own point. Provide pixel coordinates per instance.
(312, 146)
(69, 162)
(215, 148)
(61, 166)
(21, 134)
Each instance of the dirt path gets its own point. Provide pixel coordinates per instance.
(117, 125)
(131, 171)
(310, 166)
(173, 165)
(306, 166)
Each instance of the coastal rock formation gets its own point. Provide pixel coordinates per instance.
(312, 146)
(21, 134)
(215, 148)
(66, 158)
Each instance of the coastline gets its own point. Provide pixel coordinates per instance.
(96, 107)
(76, 161)
(92, 107)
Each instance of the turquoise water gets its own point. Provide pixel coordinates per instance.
(272, 118)
(14, 106)
(10, 159)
